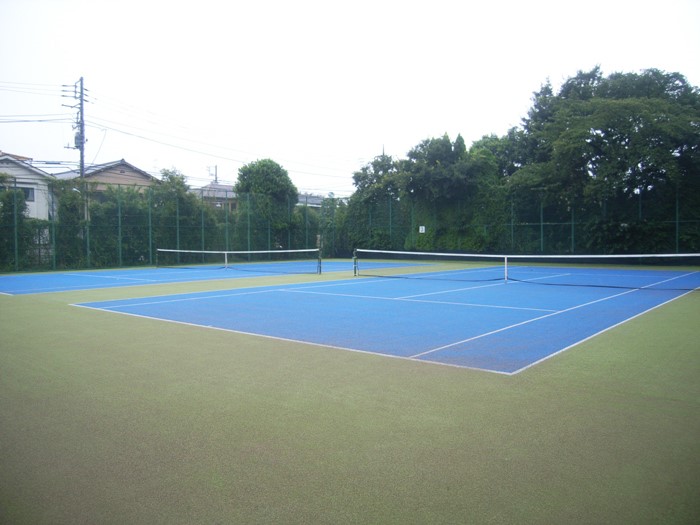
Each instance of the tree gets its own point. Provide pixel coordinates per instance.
(265, 189)
(176, 213)
(606, 164)
(13, 238)
(119, 233)
(613, 143)
(266, 177)
(434, 170)
(367, 218)
(70, 228)
(374, 175)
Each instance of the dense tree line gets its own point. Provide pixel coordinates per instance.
(605, 165)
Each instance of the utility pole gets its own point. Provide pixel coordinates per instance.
(80, 136)
(79, 144)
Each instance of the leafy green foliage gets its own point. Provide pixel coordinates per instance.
(13, 210)
(616, 158)
(70, 229)
(275, 198)
(266, 177)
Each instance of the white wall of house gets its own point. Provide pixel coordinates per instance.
(33, 182)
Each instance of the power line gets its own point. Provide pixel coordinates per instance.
(31, 89)
(162, 143)
(100, 124)
(62, 120)
(35, 115)
(158, 120)
(150, 132)
(7, 82)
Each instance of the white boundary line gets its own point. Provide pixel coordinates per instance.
(175, 299)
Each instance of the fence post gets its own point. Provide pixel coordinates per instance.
(150, 226)
(573, 230)
(16, 226)
(306, 222)
(413, 224)
(52, 193)
(541, 225)
(290, 221)
(86, 189)
(119, 224)
(391, 232)
(201, 198)
(512, 224)
(177, 225)
(248, 217)
(678, 227)
(226, 212)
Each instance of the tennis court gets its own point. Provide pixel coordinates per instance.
(33, 283)
(468, 317)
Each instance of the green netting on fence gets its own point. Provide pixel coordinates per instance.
(116, 226)
(527, 224)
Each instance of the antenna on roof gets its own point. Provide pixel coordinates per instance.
(216, 174)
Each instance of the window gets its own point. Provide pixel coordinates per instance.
(28, 194)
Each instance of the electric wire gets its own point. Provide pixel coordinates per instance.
(101, 103)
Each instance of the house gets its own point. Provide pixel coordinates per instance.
(312, 201)
(16, 157)
(119, 172)
(33, 182)
(223, 196)
(218, 195)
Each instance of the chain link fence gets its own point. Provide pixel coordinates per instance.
(118, 226)
(530, 224)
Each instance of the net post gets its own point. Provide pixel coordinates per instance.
(226, 260)
(505, 265)
(318, 269)
(355, 269)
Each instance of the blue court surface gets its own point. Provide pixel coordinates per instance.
(33, 283)
(498, 326)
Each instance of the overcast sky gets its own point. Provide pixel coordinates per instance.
(321, 87)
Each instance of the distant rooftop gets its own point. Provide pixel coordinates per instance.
(16, 157)
(97, 168)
